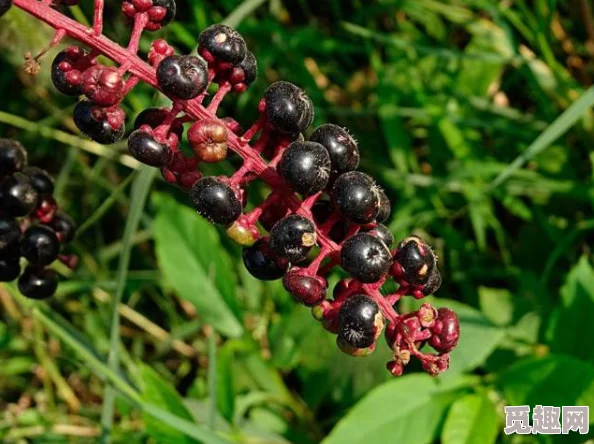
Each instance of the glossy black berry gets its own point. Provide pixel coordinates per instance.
(414, 261)
(225, 44)
(263, 263)
(10, 232)
(343, 150)
(433, 283)
(249, 66)
(182, 76)
(38, 283)
(40, 179)
(147, 150)
(359, 321)
(383, 233)
(355, 194)
(13, 157)
(215, 201)
(385, 208)
(292, 237)
(305, 166)
(170, 10)
(154, 117)
(40, 245)
(288, 109)
(10, 269)
(96, 124)
(305, 289)
(4, 6)
(64, 226)
(17, 195)
(365, 257)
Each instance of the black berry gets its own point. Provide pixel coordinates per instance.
(9, 269)
(170, 10)
(288, 109)
(183, 77)
(292, 237)
(67, 68)
(40, 245)
(360, 321)
(13, 157)
(433, 283)
(249, 67)
(17, 195)
(64, 227)
(147, 150)
(215, 201)
(365, 257)
(40, 179)
(10, 232)
(98, 123)
(263, 263)
(305, 166)
(38, 283)
(154, 117)
(383, 233)
(4, 6)
(385, 207)
(414, 261)
(355, 194)
(225, 44)
(342, 148)
(305, 289)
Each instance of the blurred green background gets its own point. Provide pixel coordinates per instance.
(463, 111)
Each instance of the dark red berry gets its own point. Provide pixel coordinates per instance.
(355, 194)
(13, 157)
(157, 18)
(103, 85)
(10, 233)
(305, 166)
(67, 68)
(288, 109)
(263, 263)
(223, 43)
(4, 6)
(10, 269)
(183, 77)
(17, 195)
(383, 233)
(39, 245)
(293, 237)
(342, 148)
(385, 207)
(446, 331)
(103, 125)
(215, 201)
(147, 150)
(64, 227)
(155, 117)
(414, 261)
(40, 179)
(244, 74)
(365, 257)
(360, 321)
(38, 283)
(305, 289)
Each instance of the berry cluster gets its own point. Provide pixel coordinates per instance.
(31, 226)
(320, 211)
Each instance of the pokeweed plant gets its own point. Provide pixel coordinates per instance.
(320, 212)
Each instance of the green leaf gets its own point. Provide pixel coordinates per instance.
(552, 380)
(572, 321)
(195, 264)
(408, 409)
(472, 419)
(224, 381)
(497, 305)
(158, 392)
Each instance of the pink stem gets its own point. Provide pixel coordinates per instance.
(58, 36)
(223, 90)
(140, 21)
(98, 18)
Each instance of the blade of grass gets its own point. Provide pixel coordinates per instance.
(139, 195)
(212, 378)
(243, 11)
(64, 331)
(106, 205)
(555, 130)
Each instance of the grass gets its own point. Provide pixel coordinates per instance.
(476, 118)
